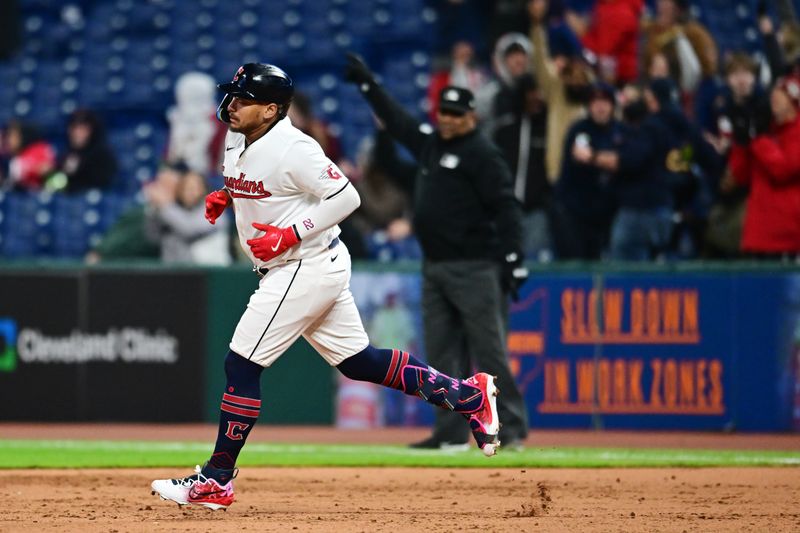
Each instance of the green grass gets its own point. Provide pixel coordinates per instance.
(123, 454)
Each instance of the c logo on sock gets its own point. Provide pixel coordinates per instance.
(235, 430)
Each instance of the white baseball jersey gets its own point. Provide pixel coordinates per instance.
(274, 181)
(306, 291)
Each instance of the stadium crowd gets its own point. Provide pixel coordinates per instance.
(629, 133)
(631, 136)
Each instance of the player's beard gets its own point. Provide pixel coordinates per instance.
(237, 128)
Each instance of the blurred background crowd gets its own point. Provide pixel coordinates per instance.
(635, 129)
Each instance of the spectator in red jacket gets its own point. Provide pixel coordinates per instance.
(613, 36)
(766, 156)
(30, 158)
(461, 69)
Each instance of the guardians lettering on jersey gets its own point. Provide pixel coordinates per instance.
(244, 188)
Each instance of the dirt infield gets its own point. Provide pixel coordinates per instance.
(408, 499)
(394, 499)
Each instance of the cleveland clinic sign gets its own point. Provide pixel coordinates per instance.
(112, 347)
(126, 345)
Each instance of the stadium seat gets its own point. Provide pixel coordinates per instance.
(20, 237)
(122, 57)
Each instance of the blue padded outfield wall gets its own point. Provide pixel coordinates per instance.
(702, 350)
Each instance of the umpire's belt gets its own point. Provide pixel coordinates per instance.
(262, 271)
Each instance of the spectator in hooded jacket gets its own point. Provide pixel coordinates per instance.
(89, 162)
(30, 158)
(766, 156)
(521, 137)
(495, 100)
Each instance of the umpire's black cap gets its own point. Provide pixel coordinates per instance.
(456, 100)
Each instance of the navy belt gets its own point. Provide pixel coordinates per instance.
(262, 271)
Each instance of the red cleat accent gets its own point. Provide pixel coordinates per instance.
(484, 422)
(196, 489)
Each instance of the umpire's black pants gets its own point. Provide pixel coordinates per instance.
(465, 316)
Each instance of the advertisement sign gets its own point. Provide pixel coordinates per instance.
(660, 351)
(117, 346)
(634, 352)
(689, 350)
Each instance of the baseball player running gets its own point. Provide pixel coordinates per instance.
(288, 198)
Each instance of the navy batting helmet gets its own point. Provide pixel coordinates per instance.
(257, 81)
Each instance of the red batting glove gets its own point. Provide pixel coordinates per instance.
(216, 202)
(274, 242)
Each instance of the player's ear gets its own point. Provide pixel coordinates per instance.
(270, 111)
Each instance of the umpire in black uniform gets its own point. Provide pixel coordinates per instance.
(468, 223)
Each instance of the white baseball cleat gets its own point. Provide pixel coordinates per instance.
(196, 489)
(484, 422)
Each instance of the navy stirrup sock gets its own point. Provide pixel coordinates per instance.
(442, 390)
(402, 371)
(241, 403)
